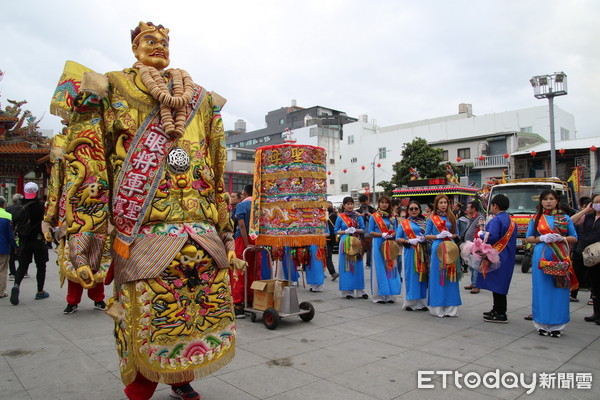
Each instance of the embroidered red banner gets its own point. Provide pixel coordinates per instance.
(142, 170)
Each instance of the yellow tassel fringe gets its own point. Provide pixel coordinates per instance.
(291, 241)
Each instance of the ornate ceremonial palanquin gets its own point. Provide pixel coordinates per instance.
(290, 190)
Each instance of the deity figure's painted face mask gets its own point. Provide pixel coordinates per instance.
(152, 49)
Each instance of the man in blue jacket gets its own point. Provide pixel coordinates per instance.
(7, 239)
(503, 237)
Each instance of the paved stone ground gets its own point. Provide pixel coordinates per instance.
(353, 349)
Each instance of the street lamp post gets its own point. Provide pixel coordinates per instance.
(379, 153)
(550, 86)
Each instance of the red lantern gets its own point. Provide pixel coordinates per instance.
(593, 148)
(458, 159)
(378, 165)
(345, 170)
(481, 158)
(533, 154)
(506, 155)
(363, 167)
(328, 172)
(561, 151)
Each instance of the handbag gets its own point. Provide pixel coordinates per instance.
(591, 255)
(555, 268)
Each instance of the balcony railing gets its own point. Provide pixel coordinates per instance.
(497, 161)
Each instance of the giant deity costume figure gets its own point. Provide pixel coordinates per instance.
(59, 190)
(147, 171)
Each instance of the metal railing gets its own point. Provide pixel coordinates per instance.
(491, 161)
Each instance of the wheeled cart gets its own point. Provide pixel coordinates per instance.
(289, 297)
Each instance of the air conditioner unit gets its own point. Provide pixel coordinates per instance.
(483, 148)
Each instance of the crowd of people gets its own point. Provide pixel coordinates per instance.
(431, 269)
(404, 249)
(418, 251)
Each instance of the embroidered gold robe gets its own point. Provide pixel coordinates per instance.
(172, 304)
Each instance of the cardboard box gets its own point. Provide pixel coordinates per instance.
(263, 294)
(267, 293)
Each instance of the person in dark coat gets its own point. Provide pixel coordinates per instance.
(16, 203)
(331, 239)
(498, 281)
(32, 245)
(588, 220)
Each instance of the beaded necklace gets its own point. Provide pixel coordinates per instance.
(183, 90)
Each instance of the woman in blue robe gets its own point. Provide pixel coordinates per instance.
(313, 269)
(315, 273)
(351, 269)
(550, 229)
(444, 294)
(385, 276)
(412, 238)
(288, 266)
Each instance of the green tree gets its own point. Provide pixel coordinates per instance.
(416, 154)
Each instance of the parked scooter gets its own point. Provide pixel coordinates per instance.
(527, 256)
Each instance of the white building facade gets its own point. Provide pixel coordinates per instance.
(368, 152)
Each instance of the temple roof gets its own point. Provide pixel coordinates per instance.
(8, 118)
(21, 148)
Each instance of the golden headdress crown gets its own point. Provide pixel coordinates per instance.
(146, 27)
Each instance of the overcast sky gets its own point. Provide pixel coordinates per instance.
(397, 61)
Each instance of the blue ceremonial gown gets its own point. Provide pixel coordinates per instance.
(287, 264)
(349, 281)
(498, 281)
(315, 275)
(415, 290)
(550, 304)
(449, 294)
(383, 283)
